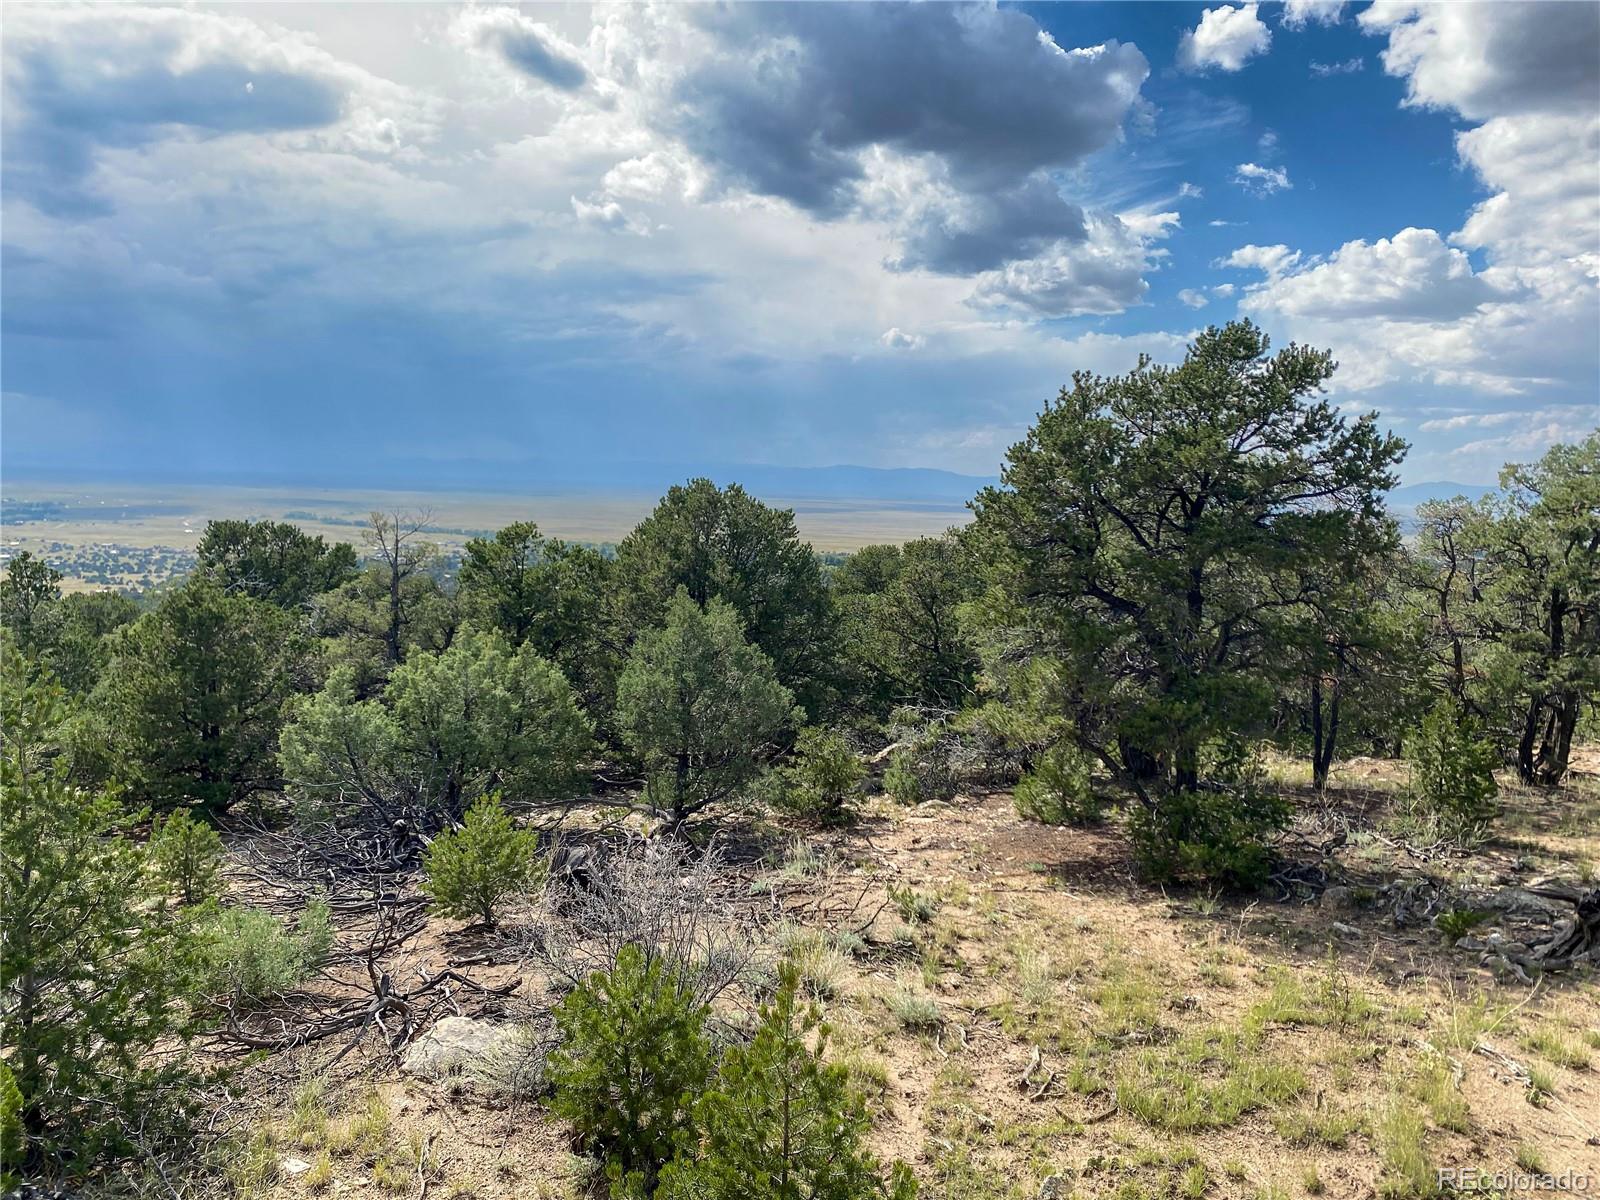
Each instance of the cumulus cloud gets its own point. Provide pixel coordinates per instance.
(1274, 260)
(1102, 274)
(1492, 60)
(1413, 308)
(1413, 276)
(1194, 298)
(1226, 38)
(1262, 181)
(791, 97)
(898, 339)
(1297, 14)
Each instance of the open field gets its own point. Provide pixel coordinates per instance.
(1029, 1019)
(116, 535)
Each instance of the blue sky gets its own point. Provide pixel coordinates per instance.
(440, 239)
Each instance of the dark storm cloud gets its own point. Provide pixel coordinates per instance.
(978, 96)
(64, 100)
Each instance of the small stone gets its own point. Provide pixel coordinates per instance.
(1054, 1187)
(295, 1166)
(1344, 930)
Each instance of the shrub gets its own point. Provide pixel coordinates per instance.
(96, 967)
(780, 1122)
(1457, 923)
(473, 868)
(1209, 835)
(824, 778)
(633, 1059)
(1452, 775)
(251, 956)
(1057, 790)
(914, 776)
(913, 1007)
(914, 907)
(188, 856)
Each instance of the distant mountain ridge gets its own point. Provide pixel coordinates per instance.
(925, 485)
(909, 485)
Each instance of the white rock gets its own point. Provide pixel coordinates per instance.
(452, 1045)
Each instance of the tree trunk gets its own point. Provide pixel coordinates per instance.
(1138, 762)
(1530, 733)
(1556, 745)
(1325, 731)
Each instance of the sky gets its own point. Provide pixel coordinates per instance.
(438, 240)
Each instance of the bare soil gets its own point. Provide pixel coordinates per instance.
(1086, 1026)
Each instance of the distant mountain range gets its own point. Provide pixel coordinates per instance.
(901, 485)
(917, 485)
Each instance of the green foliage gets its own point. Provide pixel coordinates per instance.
(699, 705)
(781, 1123)
(1455, 923)
(633, 1059)
(1540, 602)
(29, 594)
(1146, 531)
(195, 695)
(471, 869)
(547, 594)
(250, 956)
(1057, 791)
(1452, 787)
(1216, 834)
(64, 634)
(825, 777)
(722, 543)
(11, 1143)
(901, 635)
(273, 561)
(918, 773)
(450, 727)
(914, 907)
(188, 856)
(96, 969)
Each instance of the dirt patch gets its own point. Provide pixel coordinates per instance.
(1089, 1027)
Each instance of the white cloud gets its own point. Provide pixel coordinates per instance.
(1102, 275)
(1348, 66)
(1223, 290)
(1274, 260)
(897, 339)
(1190, 191)
(1193, 298)
(1413, 309)
(1413, 276)
(1297, 14)
(1262, 181)
(1226, 38)
(1494, 59)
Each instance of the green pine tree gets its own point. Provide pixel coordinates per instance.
(472, 869)
(187, 855)
(780, 1122)
(96, 968)
(634, 1057)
